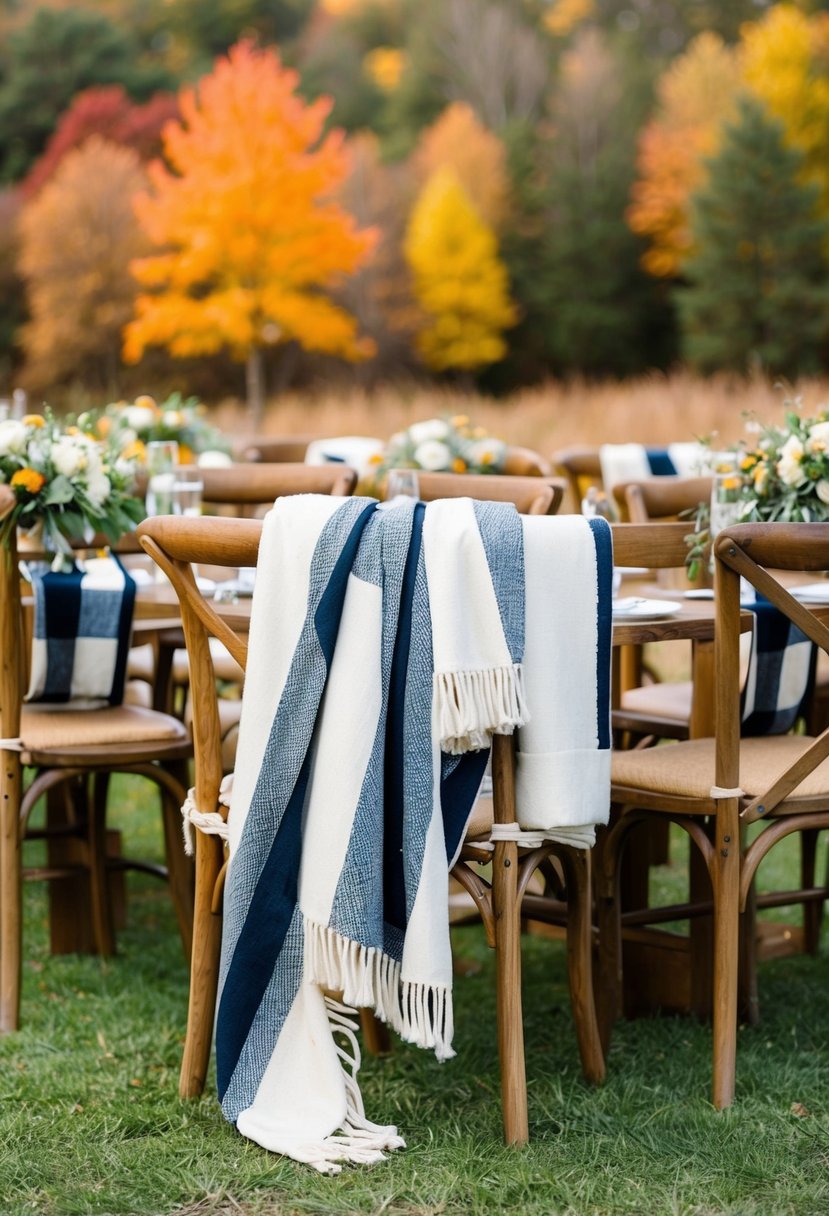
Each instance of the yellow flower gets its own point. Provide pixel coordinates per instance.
(135, 451)
(28, 479)
(375, 458)
(72, 430)
(458, 465)
(34, 420)
(460, 420)
(146, 402)
(104, 426)
(185, 454)
(731, 483)
(487, 457)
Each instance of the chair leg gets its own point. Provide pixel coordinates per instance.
(725, 879)
(180, 869)
(11, 912)
(375, 1034)
(102, 929)
(580, 963)
(608, 977)
(507, 918)
(204, 969)
(812, 911)
(749, 998)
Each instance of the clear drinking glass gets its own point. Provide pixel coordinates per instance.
(162, 460)
(726, 503)
(402, 483)
(188, 487)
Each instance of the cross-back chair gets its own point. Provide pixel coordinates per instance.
(716, 787)
(275, 449)
(247, 486)
(531, 495)
(582, 468)
(524, 462)
(71, 754)
(175, 544)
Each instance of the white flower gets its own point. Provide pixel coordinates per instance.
(214, 459)
(789, 465)
(822, 490)
(172, 419)
(12, 437)
(818, 437)
(422, 432)
(68, 456)
(138, 417)
(98, 488)
(433, 455)
(487, 452)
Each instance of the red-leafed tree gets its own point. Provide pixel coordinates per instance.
(110, 113)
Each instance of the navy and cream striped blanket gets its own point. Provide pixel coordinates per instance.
(621, 462)
(387, 645)
(81, 636)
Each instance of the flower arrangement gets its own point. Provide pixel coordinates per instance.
(776, 474)
(443, 445)
(64, 479)
(130, 426)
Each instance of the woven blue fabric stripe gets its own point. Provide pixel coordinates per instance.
(603, 540)
(660, 462)
(60, 597)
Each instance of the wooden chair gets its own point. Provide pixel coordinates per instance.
(275, 449)
(531, 495)
(661, 499)
(524, 462)
(72, 754)
(715, 787)
(175, 544)
(581, 468)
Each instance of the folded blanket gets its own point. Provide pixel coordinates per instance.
(622, 462)
(781, 673)
(82, 627)
(375, 635)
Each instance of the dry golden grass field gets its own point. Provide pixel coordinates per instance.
(655, 409)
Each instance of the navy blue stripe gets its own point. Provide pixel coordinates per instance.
(457, 794)
(394, 879)
(660, 462)
(275, 896)
(61, 616)
(119, 676)
(603, 540)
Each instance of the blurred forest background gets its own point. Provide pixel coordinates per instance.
(525, 190)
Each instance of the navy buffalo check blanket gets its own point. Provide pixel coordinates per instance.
(81, 638)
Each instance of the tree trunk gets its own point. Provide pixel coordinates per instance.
(255, 381)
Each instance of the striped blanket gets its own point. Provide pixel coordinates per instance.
(622, 462)
(81, 637)
(386, 648)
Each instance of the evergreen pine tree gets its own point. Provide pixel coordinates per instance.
(757, 287)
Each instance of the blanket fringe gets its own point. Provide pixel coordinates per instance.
(473, 706)
(357, 1141)
(369, 979)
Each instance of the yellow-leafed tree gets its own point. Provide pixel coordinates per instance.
(459, 280)
(251, 236)
(458, 140)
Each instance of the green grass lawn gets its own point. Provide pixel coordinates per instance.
(90, 1120)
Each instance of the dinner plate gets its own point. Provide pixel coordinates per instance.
(812, 593)
(631, 608)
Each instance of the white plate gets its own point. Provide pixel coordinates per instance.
(632, 571)
(812, 593)
(632, 608)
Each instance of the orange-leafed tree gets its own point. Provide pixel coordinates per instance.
(696, 96)
(458, 140)
(251, 238)
(460, 281)
(77, 239)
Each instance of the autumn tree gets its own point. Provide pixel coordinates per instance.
(78, 237)
(252, 240)
(110, 113)
(459, 141)
(694, 97)
(757, 288)
(12, 296)
(460, 281)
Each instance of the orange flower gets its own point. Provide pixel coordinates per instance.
(104, 425)
(185, 454)
(29, 480)
(375, 458)
(34, 420)
(134, 451)
(146, 402)
(458, 465)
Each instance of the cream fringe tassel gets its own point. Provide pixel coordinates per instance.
(369, 979)
(472, 706)
(357, 1141)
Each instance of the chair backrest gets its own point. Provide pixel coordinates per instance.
(759, 553)
(582, 468)
(259, 484)
(524, 462)
(275, 449)
(531, 495)
(661, 498)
